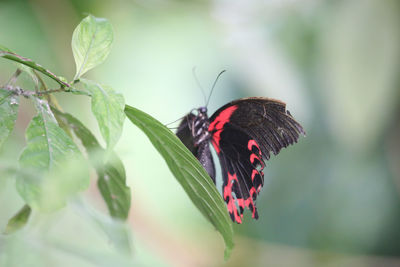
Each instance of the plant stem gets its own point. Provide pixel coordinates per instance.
(28, 62)
(26, 93)
(14, 78)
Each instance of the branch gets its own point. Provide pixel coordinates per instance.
(28, 62)
(27, 93)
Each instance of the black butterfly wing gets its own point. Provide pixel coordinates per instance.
(202, 152)
(241, 172)
(184, 132)
(244, 133)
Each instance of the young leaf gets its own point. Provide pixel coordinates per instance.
(6, 53)
(111, 176)
(188, 171)
(91, 43)
(8, 113)
(18, 220)
(52, 167)
(108, 108)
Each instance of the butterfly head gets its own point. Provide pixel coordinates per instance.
(202, 110)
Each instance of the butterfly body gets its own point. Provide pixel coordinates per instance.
(243, 133)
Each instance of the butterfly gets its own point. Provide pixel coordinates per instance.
(243, 133)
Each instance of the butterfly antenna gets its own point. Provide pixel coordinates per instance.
(179, 118)
(174, 121)
(198, 84)
(212, 88)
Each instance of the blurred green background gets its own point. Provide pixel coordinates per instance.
(330, 200)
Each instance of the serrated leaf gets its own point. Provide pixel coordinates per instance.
(189, 173)
(6, 53)
(18, 220)
(111, 176)
(52, 167)
(108, 108)
(9, 104)
(91, 43)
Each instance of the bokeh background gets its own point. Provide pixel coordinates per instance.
(330, 200)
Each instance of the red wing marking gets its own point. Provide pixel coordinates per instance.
(253, 174)
(252, 143)
(230, 201)
(253, 157)
(235, 214)
(249, 203)
(217, 125)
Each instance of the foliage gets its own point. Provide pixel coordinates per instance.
(188, 171)
(55, 164)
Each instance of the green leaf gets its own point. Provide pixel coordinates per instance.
(52, 167)
(8, 113)
(6, 53)
(189, 173)
(3, 48)
(18, 220)
(91, 43)
(111, 183)
(111, 176)
(61, 122)
(108, 108)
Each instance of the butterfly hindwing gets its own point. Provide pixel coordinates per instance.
(242, 174)
(244, 133)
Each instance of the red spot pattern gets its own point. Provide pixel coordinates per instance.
(217, 125)
(249, 201)
(230, 201)
(236, 206)
(253, 174)
(253, 156)
(252, 143)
